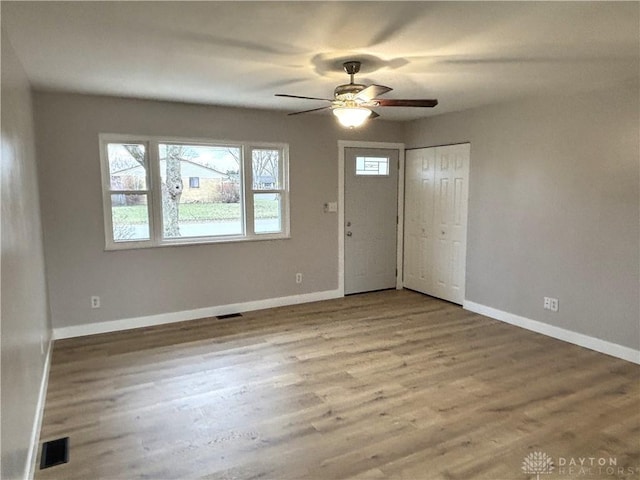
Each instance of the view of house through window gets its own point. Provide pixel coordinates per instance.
(267, 190)
(197, 191)
(128, 193)
(215, 208)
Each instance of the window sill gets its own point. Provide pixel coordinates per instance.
(195, 242)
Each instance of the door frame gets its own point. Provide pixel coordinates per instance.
(342, 145)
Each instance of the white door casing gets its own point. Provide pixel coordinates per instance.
(370, 219)
(436, 199)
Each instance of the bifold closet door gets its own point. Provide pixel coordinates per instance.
(435, 235)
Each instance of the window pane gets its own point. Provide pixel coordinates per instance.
(127, 166)
(130, 217)
(212, 208)
(372, 166)
(267, 212)
(265, 168)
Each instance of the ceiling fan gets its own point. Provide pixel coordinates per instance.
(352, 101)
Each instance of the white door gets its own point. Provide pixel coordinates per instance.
(418, 219)
(435, 236)
(370, 212)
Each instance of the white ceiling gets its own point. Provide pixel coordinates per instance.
(465, 54)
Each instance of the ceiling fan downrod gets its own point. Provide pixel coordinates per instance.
(348, 91)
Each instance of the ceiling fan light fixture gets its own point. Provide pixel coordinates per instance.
(350, 101)
(352, 117)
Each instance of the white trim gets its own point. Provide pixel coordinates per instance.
(30, 467)
(592, 343)
(172, 317)
(342, 145)
(400, 224)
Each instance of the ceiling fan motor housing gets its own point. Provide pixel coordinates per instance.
(348, 91)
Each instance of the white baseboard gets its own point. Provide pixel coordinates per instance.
(163, 318)
(602, 346)
(30, 468)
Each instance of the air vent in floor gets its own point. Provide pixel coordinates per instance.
(54, 452)
(230, 315)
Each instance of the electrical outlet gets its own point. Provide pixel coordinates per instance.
(95, 302)
(551, 303)
(298, 278)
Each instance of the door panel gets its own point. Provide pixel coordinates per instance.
(436, 195)
(418, 219)
(371, 208)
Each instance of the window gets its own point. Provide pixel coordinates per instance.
(127, 192)
(236, 191)
(267, 190)
(372, 166)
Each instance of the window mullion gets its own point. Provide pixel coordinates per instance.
(106, 195)
(247, 191)
(155, 192)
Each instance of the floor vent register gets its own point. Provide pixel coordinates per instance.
(54, 452)
(230, 315)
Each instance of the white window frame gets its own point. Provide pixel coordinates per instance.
(282, 181)
(154, 193)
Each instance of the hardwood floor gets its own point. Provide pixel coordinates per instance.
(384, 385)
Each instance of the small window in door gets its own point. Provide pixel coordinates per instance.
(373, 166)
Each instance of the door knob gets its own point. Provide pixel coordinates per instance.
(349, 234)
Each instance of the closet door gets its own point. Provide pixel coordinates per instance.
(418, 219)
(436, 195)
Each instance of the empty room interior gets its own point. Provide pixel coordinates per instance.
(320, 240)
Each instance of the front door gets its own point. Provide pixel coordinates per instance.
(370, 212)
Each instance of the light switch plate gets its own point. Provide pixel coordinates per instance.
(331, 207)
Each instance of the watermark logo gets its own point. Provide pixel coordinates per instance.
(583, 468)
(537, 463)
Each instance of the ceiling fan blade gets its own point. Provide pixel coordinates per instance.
(304, 98)
(373, 115)
(406, 103)
(372, 91)
(312, 110)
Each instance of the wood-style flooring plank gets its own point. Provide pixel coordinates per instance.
(387, 385)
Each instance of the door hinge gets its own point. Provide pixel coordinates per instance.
(396, 273)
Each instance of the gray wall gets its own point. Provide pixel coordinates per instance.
(553, 207)
(24, 308)
(144, 282)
